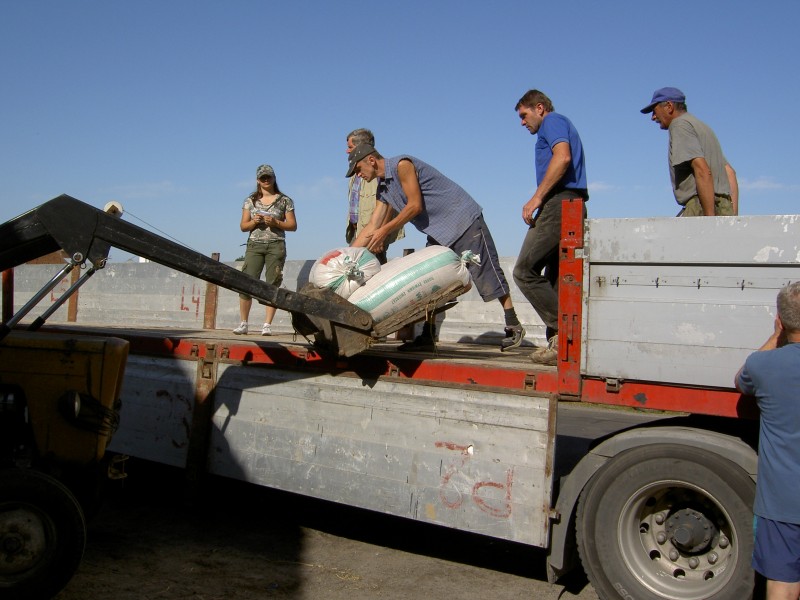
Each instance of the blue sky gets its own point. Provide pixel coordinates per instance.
(169, 106)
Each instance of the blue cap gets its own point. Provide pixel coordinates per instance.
(666, 94)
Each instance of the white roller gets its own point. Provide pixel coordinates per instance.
(113, 208)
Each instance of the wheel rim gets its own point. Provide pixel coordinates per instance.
(678, 540)
(24, 534)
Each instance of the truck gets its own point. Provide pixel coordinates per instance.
(656, 315)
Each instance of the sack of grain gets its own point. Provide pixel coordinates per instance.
(412, 279)
(344, 270)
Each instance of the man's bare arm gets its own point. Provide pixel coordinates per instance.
(407, 175)
(559, 163)
(705, 185)
(375, 221)
(734, 183)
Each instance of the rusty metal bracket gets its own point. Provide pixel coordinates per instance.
(529, 383)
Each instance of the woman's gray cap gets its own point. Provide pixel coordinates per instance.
(264, 170)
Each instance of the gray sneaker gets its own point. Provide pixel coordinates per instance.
(241, 329)
(547, 356)
(266, 329)
(513, 339)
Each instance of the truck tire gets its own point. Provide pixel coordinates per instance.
(668, 522)
(42, 535)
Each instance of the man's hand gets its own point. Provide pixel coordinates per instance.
(776, 340)
(530, 208)
(556, 168)
(779, 334)
(377, 241)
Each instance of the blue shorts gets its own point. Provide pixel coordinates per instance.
(488, 277)
(777, 550)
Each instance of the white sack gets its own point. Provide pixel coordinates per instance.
(344, 270)
(411, 280)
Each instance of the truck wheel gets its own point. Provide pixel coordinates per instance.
(42, 535)
(668, 521)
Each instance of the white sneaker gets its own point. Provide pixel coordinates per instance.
(241, 329)
(549, 355)
(266, 329)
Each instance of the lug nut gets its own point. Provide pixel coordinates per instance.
(723, 542)
(673, 555)
(661, 537)
(693, 562)
(660, 518)
(713, 557)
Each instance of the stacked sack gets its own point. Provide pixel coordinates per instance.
(344, 270)
(413, 279)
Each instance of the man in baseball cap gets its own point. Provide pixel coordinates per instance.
(665, 94)
(442, 210)
(358, 154)
(362, 196)
(703, 181)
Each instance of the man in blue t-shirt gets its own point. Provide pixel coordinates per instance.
(772, 375)
(560, 174)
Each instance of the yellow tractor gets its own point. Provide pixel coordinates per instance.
(58, 410)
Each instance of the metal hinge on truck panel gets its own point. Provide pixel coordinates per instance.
(529, 382)
(203, 410)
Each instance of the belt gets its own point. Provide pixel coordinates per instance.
(270, 241)
(723, 196)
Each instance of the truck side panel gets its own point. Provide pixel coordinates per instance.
(157, 409)
(466, 458)
(683, 301)
(457, 456)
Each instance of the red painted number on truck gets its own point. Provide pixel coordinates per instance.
(455, 481)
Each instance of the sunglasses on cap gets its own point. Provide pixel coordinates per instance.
(265, 178)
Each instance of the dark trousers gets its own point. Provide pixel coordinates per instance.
(536, 271)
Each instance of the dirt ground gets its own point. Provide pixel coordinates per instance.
(241, 541)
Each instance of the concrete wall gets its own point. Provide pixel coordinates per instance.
(151, 295)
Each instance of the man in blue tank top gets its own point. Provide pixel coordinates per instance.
(772, 375)
(560, 174)
(442, 210)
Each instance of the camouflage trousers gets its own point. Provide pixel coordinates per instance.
(723, 207)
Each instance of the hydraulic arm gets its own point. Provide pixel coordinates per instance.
(87, 233)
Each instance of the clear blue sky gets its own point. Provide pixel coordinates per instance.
(168, 106)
